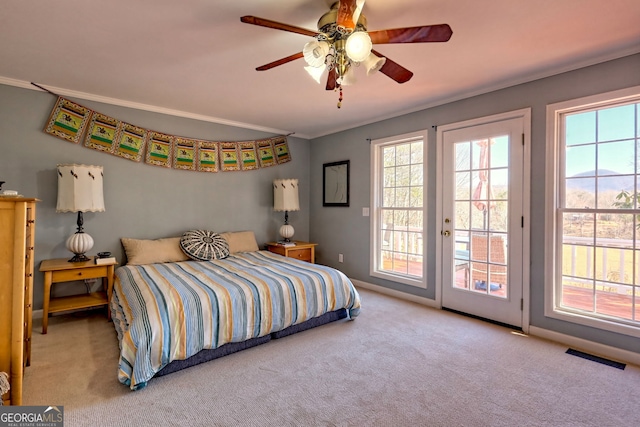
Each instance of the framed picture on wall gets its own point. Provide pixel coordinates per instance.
(335, 183)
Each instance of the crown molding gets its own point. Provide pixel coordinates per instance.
(144, 107)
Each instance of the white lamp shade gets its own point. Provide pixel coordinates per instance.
(373, 63)
(314, 52)
(285, 195)
(80, 188)
(358, 46)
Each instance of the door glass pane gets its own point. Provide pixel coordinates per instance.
(481, 216)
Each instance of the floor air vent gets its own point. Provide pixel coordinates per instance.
(602, 360)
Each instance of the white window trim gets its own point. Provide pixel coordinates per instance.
(375, 201)
(552, 172)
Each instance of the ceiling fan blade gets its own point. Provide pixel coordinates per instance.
(331, 80)
(280, 61)
(394, 70)
(423, 34)
(348, 14)
(277, 25)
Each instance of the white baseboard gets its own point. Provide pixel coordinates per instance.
(613, 353)
(397, 294)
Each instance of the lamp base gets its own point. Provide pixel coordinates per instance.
(79, 258)
(286, 231)
(79, 243)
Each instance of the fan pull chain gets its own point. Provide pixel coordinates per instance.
(340, 97)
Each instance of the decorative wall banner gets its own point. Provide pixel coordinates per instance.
(248, 155)
(69, 121)
(159, 149)
(102, 132)
(131, 141)
(207, 156)
(229, 156)
(185, 154)
(266, 154)
(282, 150)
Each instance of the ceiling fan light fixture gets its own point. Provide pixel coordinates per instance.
(315, 52)
(373, 63)
(315, 72)
(349, 77)
(358, 46)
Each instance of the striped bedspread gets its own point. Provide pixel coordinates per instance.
(171, 311)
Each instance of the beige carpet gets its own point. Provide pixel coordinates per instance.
(397, 364)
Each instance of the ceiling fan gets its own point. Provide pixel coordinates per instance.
(343, 42)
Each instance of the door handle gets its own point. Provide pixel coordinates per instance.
(446, 233)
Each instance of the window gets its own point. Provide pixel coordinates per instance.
(594, 192)
(398, 185)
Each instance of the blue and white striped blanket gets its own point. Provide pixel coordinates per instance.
(171, 311)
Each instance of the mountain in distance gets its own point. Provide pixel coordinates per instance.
(614, 181)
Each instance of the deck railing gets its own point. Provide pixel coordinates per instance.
(604, 260)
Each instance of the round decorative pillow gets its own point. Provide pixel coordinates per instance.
(204, 245)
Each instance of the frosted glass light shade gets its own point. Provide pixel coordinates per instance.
(349, 77)
(358, 46)
(315, 72)
(314, 52)
(373, 63)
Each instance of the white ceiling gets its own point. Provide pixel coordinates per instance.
(195, 57)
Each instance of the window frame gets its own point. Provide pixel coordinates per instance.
(377, 184)
(554, 169)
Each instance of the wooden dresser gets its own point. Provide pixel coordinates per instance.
(17, 233)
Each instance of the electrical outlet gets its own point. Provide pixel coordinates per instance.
(365, 211)
(340, 258)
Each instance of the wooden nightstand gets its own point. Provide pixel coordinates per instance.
(303, 251)
(61, 270)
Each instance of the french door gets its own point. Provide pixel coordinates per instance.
(482, 218)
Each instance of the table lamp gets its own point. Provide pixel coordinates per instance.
(80, 190)
(285, 198)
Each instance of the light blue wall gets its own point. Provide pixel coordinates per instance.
(141, 201)
(150, 202)
(346, 231)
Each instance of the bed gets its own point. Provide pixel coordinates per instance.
(177, 312)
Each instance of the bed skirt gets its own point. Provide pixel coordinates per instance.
(233, 347)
